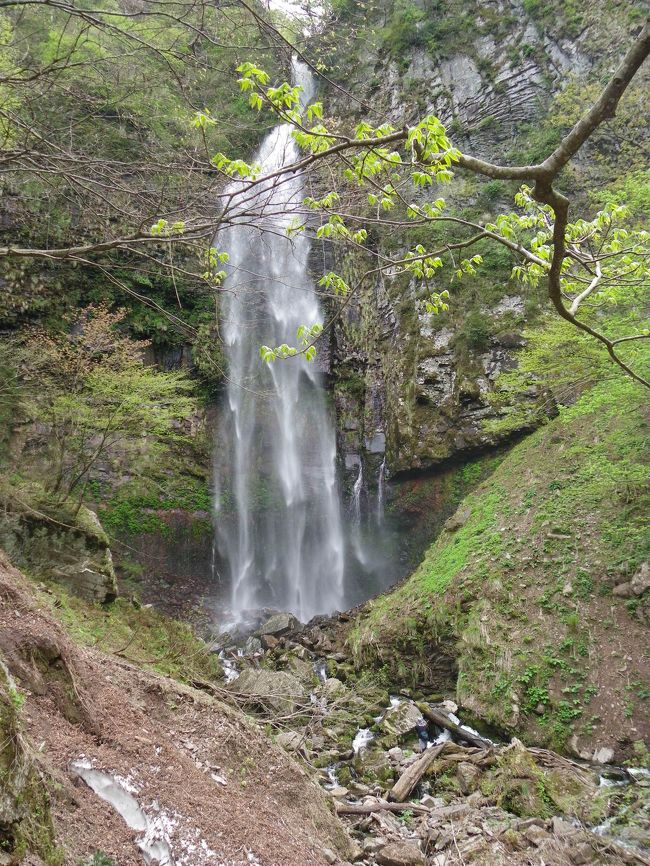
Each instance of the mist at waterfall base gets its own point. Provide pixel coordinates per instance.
(284, 537)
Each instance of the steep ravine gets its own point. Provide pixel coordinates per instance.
(522, 620)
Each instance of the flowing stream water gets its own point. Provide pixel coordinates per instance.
(279, 528)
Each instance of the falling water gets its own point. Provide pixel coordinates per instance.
(357, 491)
(356, 521)
(278, 520)
(381, 483)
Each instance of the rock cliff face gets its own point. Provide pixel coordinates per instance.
(58, 543)
(495, 73)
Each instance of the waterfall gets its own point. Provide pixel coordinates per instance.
(357, 491)
(356, 520)
(279, 529)
(381, 482)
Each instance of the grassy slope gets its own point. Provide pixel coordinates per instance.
(523, 589)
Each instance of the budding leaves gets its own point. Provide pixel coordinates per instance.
(306, 335)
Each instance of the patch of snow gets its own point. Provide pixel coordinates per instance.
(157, 826)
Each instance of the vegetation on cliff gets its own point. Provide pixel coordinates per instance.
(529, 587)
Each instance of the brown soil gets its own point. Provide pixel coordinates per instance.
(167, 739)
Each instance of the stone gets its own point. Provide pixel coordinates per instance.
(279, 624)
(640, 583)
(269, 641)
(476, 800)
(530, 822)
(339, 792)
(468, 777)
(581, 853)
(398, 722)
(290, 740)
(472, 848)
(252, 645)
(374, 764)
(604, 755)
(536, 835)
(329, 856)
(277, 691)
(358, 789)
(400, 854)
(371, 845)
(432, 802)
(302, 669)
(355, 852)
(79, 559)
(623, 590)
(332, 689)
(453, 812)
(561, 827)
(458, 520)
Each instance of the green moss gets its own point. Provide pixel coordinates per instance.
(143, 635)
(24, 798)
(134, 508)
(563, 510)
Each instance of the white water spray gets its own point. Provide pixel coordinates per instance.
(278, 519)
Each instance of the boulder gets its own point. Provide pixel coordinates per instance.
(536, 835)
(290, 740)
(468, 776)
(252, 645)
(374, 764)
(640, 583)
(603, 755)
(279, 624)
(302, 669)
(78, 557)
(269, 641)
(399, 722)
(458, 520)
(276, 691)
(332, 689)
(400, 854)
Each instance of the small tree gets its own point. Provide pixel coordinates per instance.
(96, 398)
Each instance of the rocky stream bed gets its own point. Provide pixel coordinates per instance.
(412, 783)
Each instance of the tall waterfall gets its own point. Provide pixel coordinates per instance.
(277, 500)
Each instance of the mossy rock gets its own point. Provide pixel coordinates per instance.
(25, 819)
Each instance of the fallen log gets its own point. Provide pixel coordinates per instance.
(442, 720)
(379, 806)
(412, 775)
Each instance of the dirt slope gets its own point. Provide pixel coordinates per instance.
(224, 792)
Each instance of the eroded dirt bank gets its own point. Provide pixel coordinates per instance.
(218, 789)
